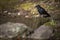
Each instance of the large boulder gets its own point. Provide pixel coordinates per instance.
(10, 30)
(43, 32)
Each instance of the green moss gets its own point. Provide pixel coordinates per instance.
(51, 23)
(50, 7)
(26, 5)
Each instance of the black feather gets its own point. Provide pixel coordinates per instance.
(42, 11)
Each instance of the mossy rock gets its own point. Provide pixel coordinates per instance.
(51, 23)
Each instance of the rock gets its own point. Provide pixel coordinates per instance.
(43, 32)
(10, 30)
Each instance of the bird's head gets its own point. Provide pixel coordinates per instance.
(38, 6)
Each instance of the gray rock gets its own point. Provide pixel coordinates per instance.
(43, 32)
(10, 30)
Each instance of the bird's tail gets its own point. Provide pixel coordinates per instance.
(47, 16)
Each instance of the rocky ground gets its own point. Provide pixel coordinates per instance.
(29, 17)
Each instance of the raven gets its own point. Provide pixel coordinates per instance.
(42, 11)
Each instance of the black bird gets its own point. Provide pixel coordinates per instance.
(42, 11)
